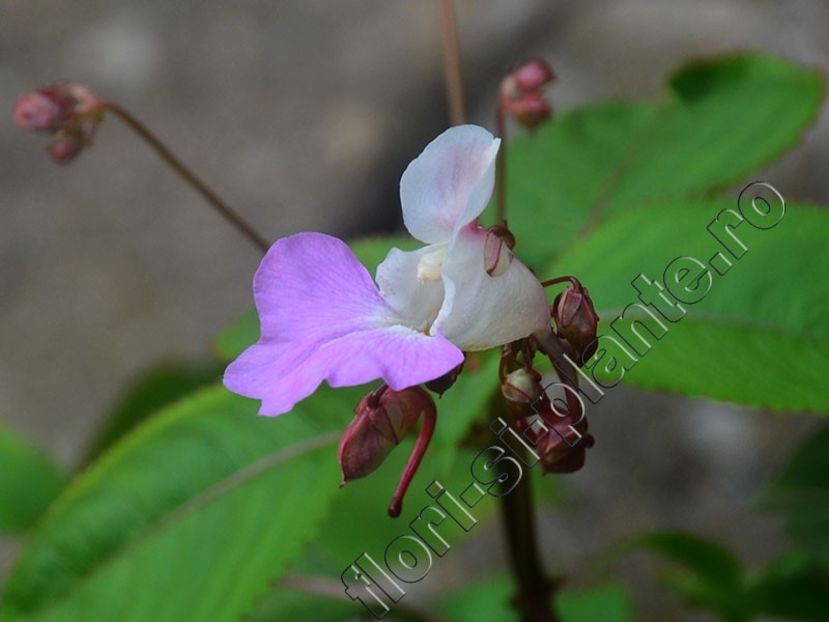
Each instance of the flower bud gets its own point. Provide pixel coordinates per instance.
(562, 445)
(383, 418)
(533, 74)
(576, 320)
(35, 111)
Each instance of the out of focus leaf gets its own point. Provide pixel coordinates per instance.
(608, 603)
(156, 388)
(234, 339)
(764, 320)
(794, 587)
(801, 495)
(187, 518)
(29, 481)
(711, 577)
(722, 118)
(488, 601)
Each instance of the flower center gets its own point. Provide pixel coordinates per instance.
(429, 266)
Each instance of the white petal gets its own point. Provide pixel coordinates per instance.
(481, 311)
(408, 284)
(449, 184)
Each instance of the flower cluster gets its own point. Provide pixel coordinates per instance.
(68, 111)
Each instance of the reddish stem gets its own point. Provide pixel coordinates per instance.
(421, 445)
(188, 176)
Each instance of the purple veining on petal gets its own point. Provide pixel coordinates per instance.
(322, 318)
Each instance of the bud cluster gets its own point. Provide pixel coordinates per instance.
(522, 96)
(66, 110)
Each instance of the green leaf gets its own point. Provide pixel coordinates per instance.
(156, 388)
(187, 518)
(244, 332)
(722, 118)
(761, 334)
(801, 494)
(29, 481)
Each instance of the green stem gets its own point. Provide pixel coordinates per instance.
(188, 176)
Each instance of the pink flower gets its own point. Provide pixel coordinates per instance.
(323, 318)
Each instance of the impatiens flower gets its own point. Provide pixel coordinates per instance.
(323, 318)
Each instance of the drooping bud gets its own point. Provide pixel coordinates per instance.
(383, 418)
(444, 383)
(522, 94)
(68, 111)
(576, 320)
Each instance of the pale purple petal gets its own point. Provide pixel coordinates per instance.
(311, 287)
(322, 318)
(400, 356)
(449, 184)
(482, 311)
(415, 297)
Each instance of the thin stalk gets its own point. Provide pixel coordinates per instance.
(452, 70)
(188, 176)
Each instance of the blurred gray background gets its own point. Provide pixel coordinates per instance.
(303, 114)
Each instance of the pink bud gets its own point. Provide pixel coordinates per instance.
(64, 150)
(35, 111)
(532, 74)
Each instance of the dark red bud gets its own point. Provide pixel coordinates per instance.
(533, 74)
(444, 383)
(383, 418)
(576, 320)
(563, 448)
